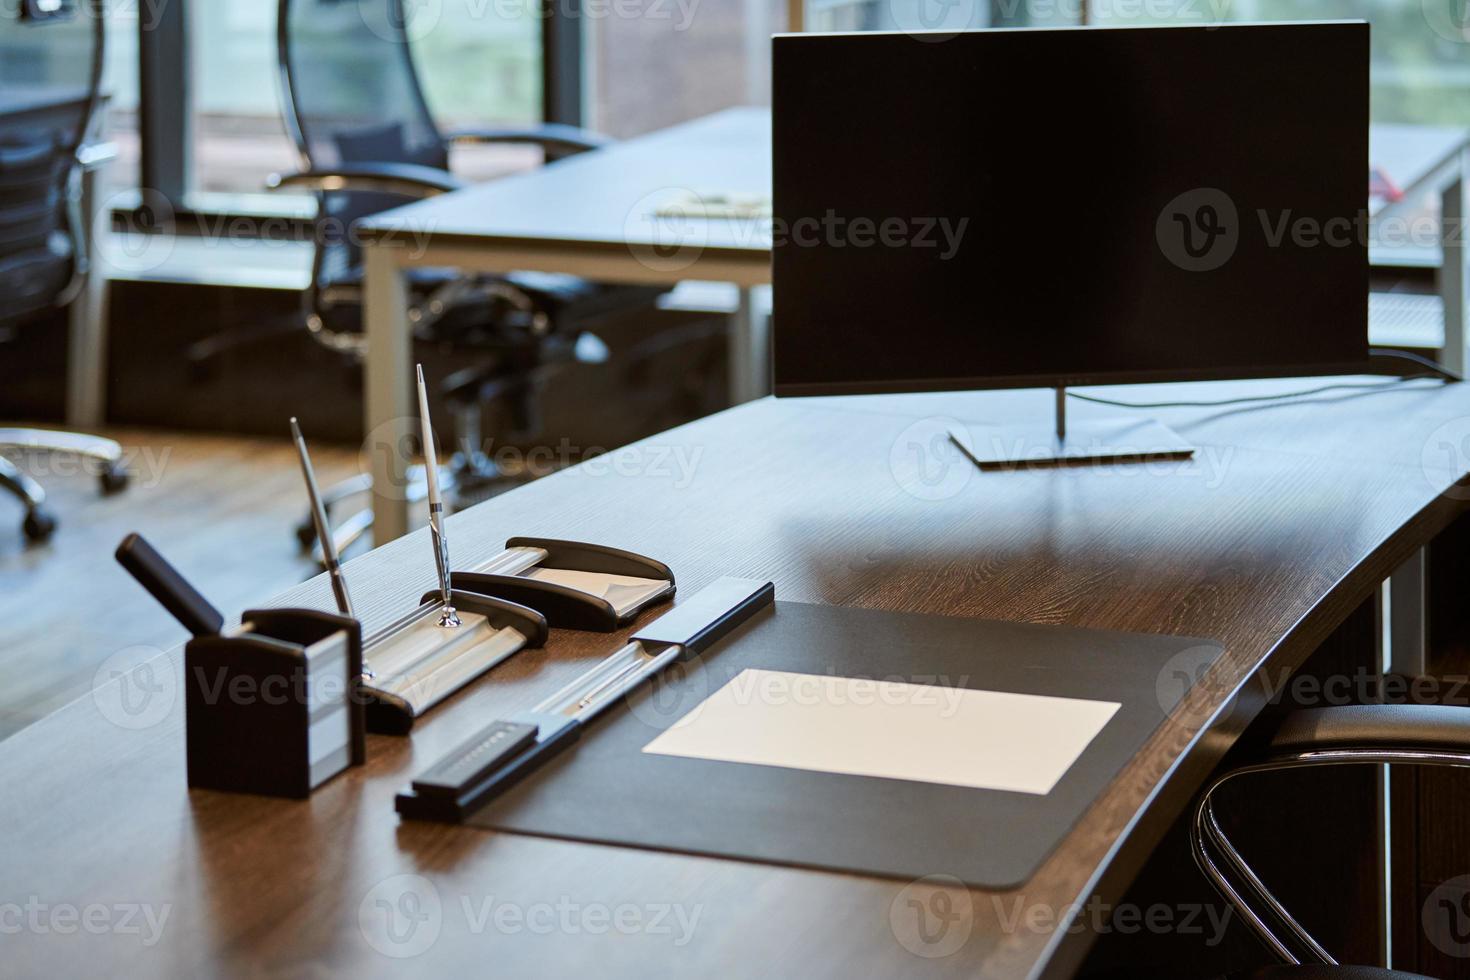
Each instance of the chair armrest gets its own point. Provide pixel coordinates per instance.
(407, 179)
(92, 156)
(1430, 727)
(557, 139)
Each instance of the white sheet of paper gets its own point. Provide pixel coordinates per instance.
(926, 733)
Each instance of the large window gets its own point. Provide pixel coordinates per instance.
(652, 63)
(1421, 48)
(480, 62)
(659, 62)
(238, 136)
(120, 84)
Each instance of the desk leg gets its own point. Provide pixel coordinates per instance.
(386, 371)
(86, 357)
(750, 351)
(1408, 649)
(1452, 268)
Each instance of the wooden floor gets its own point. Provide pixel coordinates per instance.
(222, 509)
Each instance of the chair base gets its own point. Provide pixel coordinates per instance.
(39, 523)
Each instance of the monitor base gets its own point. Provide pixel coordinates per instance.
(1023, 446)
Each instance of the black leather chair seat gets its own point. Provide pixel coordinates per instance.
(1374, 725)
(31, 280)
(1319, 972)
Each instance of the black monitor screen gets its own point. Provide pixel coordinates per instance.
(1018, 207)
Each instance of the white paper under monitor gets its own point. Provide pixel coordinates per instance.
(1022, 743)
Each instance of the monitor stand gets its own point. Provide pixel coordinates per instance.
(1022, 446)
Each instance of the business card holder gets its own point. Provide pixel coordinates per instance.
(575, 585)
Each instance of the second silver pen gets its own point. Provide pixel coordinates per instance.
(448, 617)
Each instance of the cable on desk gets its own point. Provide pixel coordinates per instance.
(1418, 359)
(1300, 393)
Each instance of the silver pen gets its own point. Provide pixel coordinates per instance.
(448, 618)
(323, 527)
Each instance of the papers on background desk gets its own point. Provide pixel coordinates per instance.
(623, 592)
(712, 205)
(1022, 743)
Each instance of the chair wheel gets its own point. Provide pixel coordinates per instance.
(306, 535)
(38, 525)
(114, 479)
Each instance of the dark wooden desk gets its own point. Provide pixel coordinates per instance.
(1289, 518)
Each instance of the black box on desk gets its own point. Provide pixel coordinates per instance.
(274, 707)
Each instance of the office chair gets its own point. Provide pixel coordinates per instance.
(50, 77)
(1414, 734)
(354, 107)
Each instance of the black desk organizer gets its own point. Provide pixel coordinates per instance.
(509, 598)
(274, 707)
(563, 606)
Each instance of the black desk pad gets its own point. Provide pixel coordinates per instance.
(604, 789)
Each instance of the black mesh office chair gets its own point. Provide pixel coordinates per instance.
(367, 142)
(50, 75)
(1423, 735)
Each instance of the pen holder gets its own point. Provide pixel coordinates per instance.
(273, 707)
(414, 664)
(575, 585)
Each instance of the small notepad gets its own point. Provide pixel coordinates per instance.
(714, 205)
(1022, 743)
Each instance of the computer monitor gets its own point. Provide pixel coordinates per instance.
(1071, 206)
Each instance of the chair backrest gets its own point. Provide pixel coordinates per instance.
(50, 74)
(350, 94)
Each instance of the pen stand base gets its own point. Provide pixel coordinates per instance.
(415, 663)
(275, 707)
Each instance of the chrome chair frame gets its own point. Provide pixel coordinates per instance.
(1212, 849)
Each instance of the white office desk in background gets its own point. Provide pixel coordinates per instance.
(595, 215)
